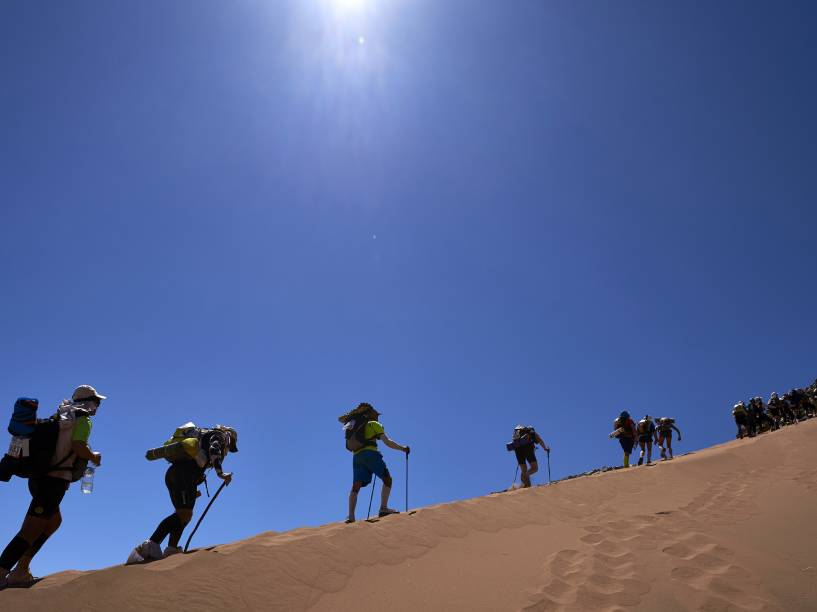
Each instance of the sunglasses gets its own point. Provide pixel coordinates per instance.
(96, 400)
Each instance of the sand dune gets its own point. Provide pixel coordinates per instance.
(733, 527)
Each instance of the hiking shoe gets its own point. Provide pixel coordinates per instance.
(387, 511)
(20, 579)
(146, 551)
(171, 550)
(349, 519)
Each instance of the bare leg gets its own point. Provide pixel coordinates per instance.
(353, 501)
(523, 475)
(385, 491)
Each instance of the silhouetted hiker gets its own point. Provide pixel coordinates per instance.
(800, 403)
(741, 416)
(626, 433)
(190, 451)
(68, 432)
(789, 412)
(524, 443)
(646, 436)
(763, 422)
(362, 431)
(775, 410)
(665, 426)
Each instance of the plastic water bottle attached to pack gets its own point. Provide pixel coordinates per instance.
(87, 484)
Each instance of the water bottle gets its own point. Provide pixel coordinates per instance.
(87, 484)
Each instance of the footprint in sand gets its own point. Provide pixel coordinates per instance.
(582, 581)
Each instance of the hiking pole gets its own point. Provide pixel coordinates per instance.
(548, 467)
(516, 471)
(369, 512)
(406, 482)
(203, 514)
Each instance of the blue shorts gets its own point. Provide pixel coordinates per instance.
(366, 463)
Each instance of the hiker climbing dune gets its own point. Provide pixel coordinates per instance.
(191, 451)
(625, 432)
(362, 430)
(51, 453)
(523, 443)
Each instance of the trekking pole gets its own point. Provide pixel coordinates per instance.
(369, 511)
(548, 467)
(516, 471)
(203, 514)
(406, 482)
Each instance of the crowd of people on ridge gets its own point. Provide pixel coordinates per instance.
(755, 416)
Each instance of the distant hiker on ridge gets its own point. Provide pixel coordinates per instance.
(190, 451)
(665, 427)
(362, 431)
(523, 444)
(65, 456)
(626, 433)
(646, 436)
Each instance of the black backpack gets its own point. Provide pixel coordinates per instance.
(355, 432)
(522, 436)
(30, 456)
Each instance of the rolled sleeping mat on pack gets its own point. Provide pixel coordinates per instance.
(519, 442)
(177, 451)
(617, 432)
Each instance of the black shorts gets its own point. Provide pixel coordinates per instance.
(182, 480)
(525, 453)
(46, 496)
(626, 444)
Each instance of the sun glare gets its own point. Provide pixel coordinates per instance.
(349, 5)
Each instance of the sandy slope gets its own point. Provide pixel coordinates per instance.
(728, 528)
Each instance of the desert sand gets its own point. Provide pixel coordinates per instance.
(733, 527)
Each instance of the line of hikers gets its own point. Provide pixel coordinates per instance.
(756, 417)
(646, 432)
(54, 452)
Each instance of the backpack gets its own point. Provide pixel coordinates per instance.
(645, 426)
(30, 456)
(625, 425)
(183, 445)
(523, 435)
(355, 433)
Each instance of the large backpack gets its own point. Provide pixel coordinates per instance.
(355, 432)
(34, 442)
(183, 445)
(645, 426)
(625, 427)
(523, 435)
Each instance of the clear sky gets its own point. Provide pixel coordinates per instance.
(471, 214)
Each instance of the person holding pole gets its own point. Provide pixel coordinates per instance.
(524, 444)
(362, 430)
(191, 451)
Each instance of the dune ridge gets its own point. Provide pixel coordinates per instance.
(727, 528)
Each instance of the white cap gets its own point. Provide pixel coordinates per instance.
(86, 392)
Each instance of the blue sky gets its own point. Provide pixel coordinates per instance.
(470, 214)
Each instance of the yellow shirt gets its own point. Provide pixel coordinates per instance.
(371, 431)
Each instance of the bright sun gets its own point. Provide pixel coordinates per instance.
(349, 5)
